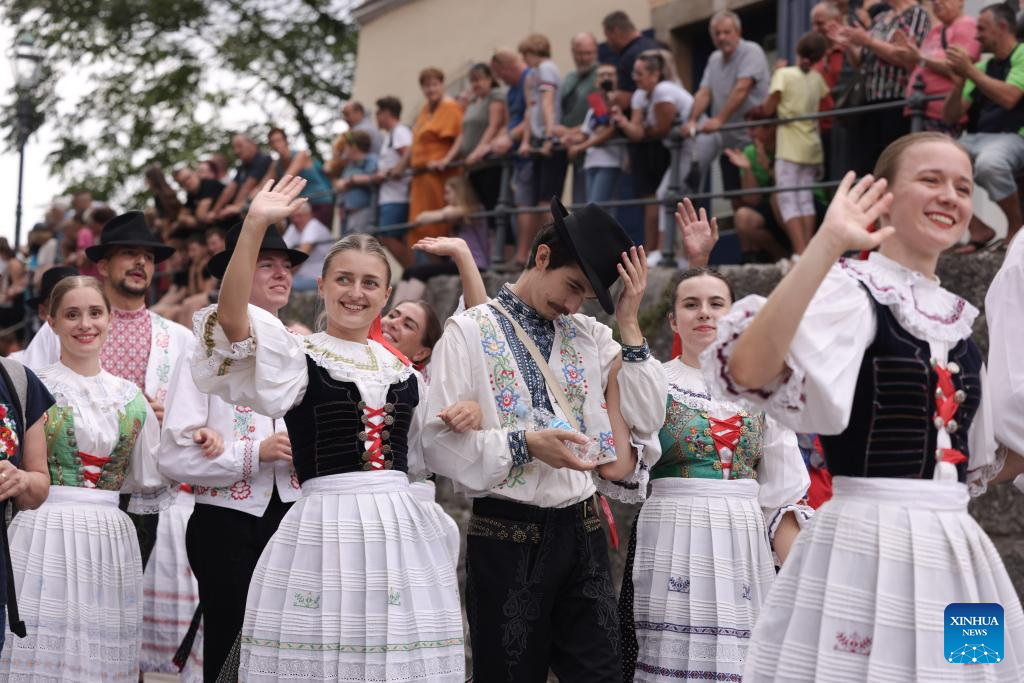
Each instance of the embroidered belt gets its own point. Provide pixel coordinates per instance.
(504, 530)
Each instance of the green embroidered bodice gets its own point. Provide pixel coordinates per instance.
(64, 459)
(688, 449)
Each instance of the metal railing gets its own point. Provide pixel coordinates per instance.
(505, 207)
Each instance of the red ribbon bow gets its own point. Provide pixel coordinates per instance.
(945, 405)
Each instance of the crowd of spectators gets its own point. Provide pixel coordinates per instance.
(610, 125)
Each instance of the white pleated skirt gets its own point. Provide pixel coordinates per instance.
(426, 493)
(170, 595)
(701, 571)
(78, 577)
(862, 594)
(356, 585)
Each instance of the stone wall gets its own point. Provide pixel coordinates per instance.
(1000, 511)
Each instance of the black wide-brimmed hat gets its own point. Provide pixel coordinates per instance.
(50, 279)
(272, 241)
(597, 241)
(128, 230)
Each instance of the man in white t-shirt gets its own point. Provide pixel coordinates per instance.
(312, 237)
(393, 200)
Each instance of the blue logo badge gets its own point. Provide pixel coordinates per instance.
(974, 633)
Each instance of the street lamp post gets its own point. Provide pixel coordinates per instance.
(26, 60)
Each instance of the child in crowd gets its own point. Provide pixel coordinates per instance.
(354, 183)
(797, 91)
(602, 163)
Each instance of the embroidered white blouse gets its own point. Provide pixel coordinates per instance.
(268, 370)
(97, 403)
(816, 392)
(236, 478)
(476, 365)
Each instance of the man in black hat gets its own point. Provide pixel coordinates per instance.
(539, 590)
(242, 494)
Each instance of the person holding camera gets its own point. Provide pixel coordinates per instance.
(601, 163)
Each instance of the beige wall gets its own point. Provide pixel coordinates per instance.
(454, 34)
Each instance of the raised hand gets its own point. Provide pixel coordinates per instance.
(853, 213)
(276, 202)
(633, 273)
(737, 157)
(699, 235)
(442, 246)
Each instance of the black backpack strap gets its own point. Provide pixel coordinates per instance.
(13, 618)
(181, 656)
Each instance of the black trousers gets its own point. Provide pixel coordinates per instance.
(223, 548)
(539, 594)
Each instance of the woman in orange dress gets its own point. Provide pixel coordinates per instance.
(435, 142)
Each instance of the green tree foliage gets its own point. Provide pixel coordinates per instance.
(132, 82)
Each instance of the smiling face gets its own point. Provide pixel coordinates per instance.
(700, 302)
(988, 32)
(80, 321)
(129, 270)
(644, 75)
(272, 281)
(932, 188)
(403, 326)
(354, 288)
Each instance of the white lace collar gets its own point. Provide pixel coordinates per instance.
(686, 385)
(920, 304)
(103, 391)
(350, 361)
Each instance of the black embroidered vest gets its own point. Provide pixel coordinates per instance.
(891, 431)
(327, 429)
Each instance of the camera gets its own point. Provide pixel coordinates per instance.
(606, 85)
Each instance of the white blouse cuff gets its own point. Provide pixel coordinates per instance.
(218, 353)
(152, 502)
(979, 477)
(631, 489)
(801, 511)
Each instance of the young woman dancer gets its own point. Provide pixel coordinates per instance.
(77, 567)
(877, 358)
(356, 583)
(727, 484)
